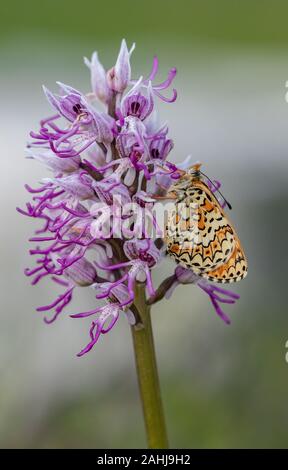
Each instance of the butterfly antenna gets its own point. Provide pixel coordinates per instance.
(217, 189)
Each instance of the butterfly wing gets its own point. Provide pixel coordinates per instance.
(200, 237)
(233, 270)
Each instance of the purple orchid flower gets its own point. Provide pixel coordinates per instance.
(87, 125)
(217, 295)
(99, 82)
(118, 300)
(120, 75)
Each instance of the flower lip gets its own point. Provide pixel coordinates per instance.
(161, 86)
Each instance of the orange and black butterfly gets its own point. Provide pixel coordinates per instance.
(199, 235)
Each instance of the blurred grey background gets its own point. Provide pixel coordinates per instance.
(222, 386)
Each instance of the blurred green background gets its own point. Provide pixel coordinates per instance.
(222, 386)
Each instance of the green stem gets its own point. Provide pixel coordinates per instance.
(147, 374)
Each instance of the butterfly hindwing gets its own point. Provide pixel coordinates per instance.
(200, 237)
(233, 270)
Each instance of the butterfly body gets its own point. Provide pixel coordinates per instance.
(199, 235)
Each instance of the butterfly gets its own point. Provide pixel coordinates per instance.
(198, 233)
